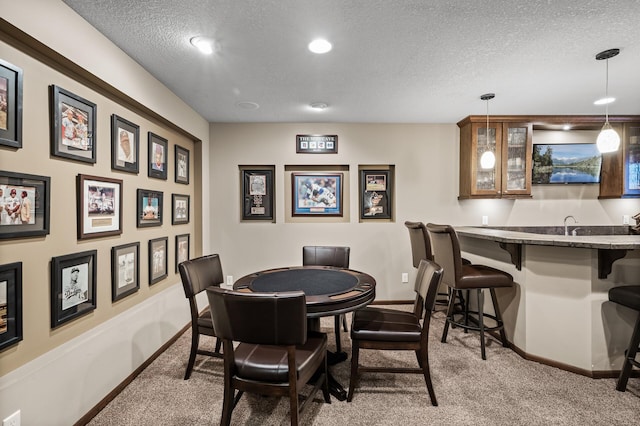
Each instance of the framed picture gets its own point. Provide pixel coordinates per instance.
(375, 194)
(10, 304)
(73, 286)
(257, 194)
(125, 270)
(24, 205)
(317, 144)
(316, 194)
(158, 259)
(149, 208)
(125, 145)
(99, 207)
(179, 209)
(73, 126)
(157, 157)
(10, 105)
(182, 165)
(182, 249)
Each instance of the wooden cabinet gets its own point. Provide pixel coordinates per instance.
(510, 141)
(620, 176)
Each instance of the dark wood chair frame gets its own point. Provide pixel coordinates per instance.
(624, 295)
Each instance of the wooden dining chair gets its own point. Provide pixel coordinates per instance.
(198, 274)
(391, 329)
(275, 354)
(337, 257)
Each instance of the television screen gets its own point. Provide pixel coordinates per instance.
(566, 163)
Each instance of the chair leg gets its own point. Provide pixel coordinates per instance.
(449, 317)
(496, 308)
(227, 405)
(629, 358)
(218, 345)
(423, 360)
(336, 320)
(195, 338)
(344, 322)
(353, 380)
(293, 405)
(481, 322)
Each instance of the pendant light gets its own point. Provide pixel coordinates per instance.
(608, 139)
(488, 158)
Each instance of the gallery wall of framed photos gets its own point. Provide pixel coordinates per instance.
(100, 194)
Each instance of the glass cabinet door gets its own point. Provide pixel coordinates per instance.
(516, 158)
(487, 179)
(631, 146)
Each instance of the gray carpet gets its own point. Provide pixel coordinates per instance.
(503, 390)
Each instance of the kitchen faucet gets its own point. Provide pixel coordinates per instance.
(566, 228)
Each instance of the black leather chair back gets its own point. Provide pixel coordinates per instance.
(420, 244)
(446, 249)
(200, 273)
(326, 256)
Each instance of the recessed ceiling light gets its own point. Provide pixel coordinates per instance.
(247, 105)
(604, 101)
(206, 45)
(320, 46)
(319, 105)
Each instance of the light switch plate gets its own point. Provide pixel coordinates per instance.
(405, 277)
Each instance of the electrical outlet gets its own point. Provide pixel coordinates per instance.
(229, 279)
(485, 220)
(405, 277)
(12, 420)
(625, 219)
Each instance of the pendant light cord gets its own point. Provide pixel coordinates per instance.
(606, 92)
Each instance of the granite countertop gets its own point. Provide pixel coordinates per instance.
(617, 237)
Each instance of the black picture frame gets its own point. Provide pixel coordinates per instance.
(157, 153)
(183, 249)
(125, 145)
(316, 144)
(10, 105)
(257, 193)
(99, 203)
(158, 256)
(376, 194)
(37, 188)
(316, 194)
(73, 126)
(11, 308)
(149, 208)
(180, 209)
(125, 270)
(73, 286)
(182, 160)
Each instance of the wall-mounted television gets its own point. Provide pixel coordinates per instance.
(566, 163)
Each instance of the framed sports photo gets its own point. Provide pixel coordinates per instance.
(149, 209)
(182, 249)
(24, 205)
(73, 126)
(125, 145)
(182, 165)
(376, 194)
(125, 270)
(99, 207)
(10, 304)
(157, 164)
(158, 256)
(10, 105)
(257, 193)
(73, 286)
(316, 194)
(179, 209)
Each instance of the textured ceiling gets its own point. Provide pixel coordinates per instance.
(403, 61)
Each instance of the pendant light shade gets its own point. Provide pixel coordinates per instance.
(608, 140)
(488, 158)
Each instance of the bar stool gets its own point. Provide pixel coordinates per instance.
(628, 296)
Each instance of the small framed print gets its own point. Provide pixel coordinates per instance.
(99, 207)
(158, 259)
(10, 304)
(317, 144)
(73, 286)
(125, 270)
(73, 126)
(316, 194)
(10, 105)
(149, 208)
(125, 145)
(257, 193)
(375, 194)
(157, 156)
(24, 205)
(179, 209)
(182, 165)
(182, 249)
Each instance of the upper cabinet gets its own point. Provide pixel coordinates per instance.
(510, 176)
(620, 177)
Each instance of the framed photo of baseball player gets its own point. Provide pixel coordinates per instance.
(376, 194)
(10, 105)
(99, 207)
(125, 145)
(257, 193)
(316, 194)
(182, 165)
(180, 209)
(73, 126)
(149, 208)
(158, 255)
(125, 270)
(73, 286)
(24, 205)
(157, 164)
(10, 304)
(182, 249)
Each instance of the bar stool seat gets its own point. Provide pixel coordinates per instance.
(628, 296)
